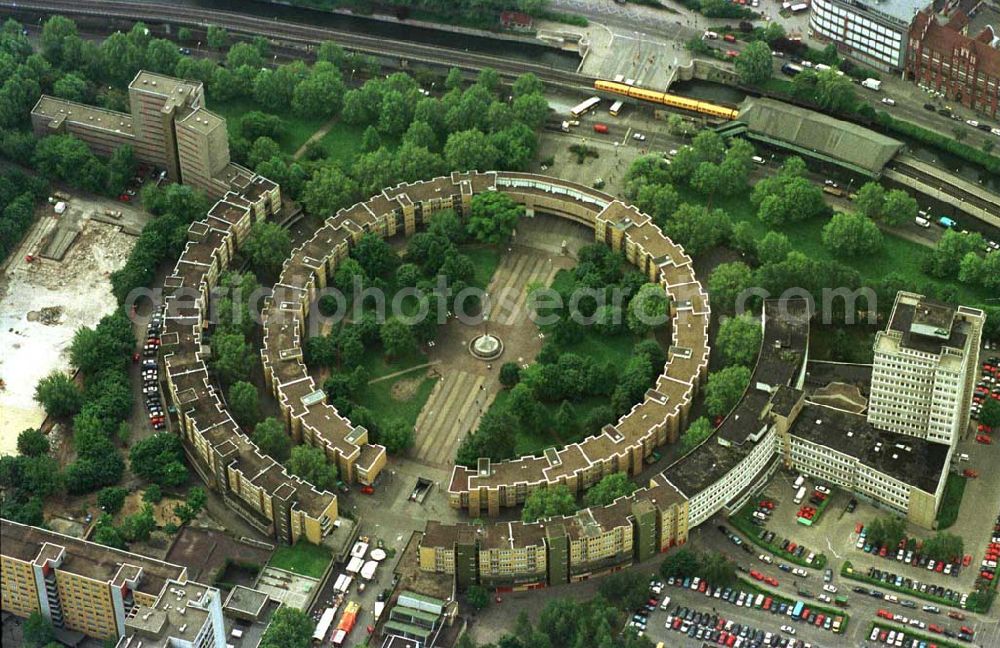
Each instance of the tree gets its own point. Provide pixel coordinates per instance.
(510, 374)
(626, 590)
(267, 247)
(718, 569)
(899, 208)
(397, 338)
(698, 228)
(947, 256)
(850, 234)
(71, 86)
(548, 502)
(58, 395)
(310, 464)
(470, 150)
(699, 430)
(160, 459)
(648, 310)
(269, 435)
(493, 217)
(233, 357)
(835, 92)
(289, 628)
(610, 488)
(773, 248)
(527, 84)
(887, 530)
(138, 526)
(739, 339)
(727, 282)
(112, 498)
(321, 94)
(328, 190)
(944, 546)
(32, 443)
(38, 631)
(754, 64)
(153, 494)
(990, 414)
(59, 38)
(397, 437)
(870, 200)
(531, 110)
(682, 563)
(256, 124)
(162, 56)
(725, 387)
(479, 596)
(660, 201)
(216, 37)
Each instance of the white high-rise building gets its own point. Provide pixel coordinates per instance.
(925, 369)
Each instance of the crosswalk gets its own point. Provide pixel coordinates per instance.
(451, 412)
(508, 290)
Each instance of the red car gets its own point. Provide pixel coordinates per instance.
(125, 198)
(885, 614)
(935, 628)
(967, 560)
(756, 575)
(771, 580)
(985, 428)
(882, 552)
(970, 473)
(729, 38)
(367, 490)
(982, 438)
(956, 615)
(732, 53)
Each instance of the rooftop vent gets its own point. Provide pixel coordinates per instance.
(819, 421)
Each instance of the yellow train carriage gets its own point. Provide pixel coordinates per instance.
(674, 101)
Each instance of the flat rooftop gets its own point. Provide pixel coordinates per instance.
(928, 326)
(85, 558)
(77, 113)
(901, 10)
(909, 459)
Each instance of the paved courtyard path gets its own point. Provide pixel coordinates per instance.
(452, 411)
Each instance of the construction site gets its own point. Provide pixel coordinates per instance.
(57, 281)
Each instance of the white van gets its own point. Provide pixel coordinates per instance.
(963, 457)
(757, 159)
(711, 35)
(801, 479)
(921, 221)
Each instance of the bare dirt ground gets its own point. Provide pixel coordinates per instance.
(42, 302)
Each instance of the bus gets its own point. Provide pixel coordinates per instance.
(797, 610)
(584, 107)
(325, 621)
(796, 8)
(615, 108)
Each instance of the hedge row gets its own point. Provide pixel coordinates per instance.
(968, 153)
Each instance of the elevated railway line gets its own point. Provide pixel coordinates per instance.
(161, 13)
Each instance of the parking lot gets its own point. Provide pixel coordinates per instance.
(696, 615)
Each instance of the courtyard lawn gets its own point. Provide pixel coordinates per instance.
(951, 501)
(379, 400)
(897, 255)
(485, 259)
(303, 558)
(342, 143)
(378, 365)
(297, 129)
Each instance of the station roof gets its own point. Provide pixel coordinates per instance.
(817, 135)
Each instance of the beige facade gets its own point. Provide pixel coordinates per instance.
(75, 584)
(167, 126)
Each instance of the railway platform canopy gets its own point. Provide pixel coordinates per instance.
(815, 135)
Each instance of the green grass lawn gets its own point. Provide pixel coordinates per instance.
(897, 255)
(303, 558)
(951, 501)
(377, 364)
(342, 143)
(378, 399)
(297, 129)
(485, 259)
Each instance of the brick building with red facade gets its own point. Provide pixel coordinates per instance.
(945, 58)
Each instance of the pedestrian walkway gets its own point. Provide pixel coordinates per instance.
(508, 290)
(451, 412)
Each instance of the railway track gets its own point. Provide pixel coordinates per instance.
(991, 203)
(158, 13)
